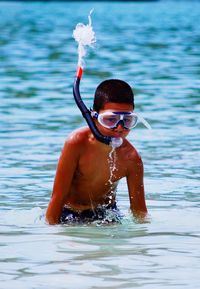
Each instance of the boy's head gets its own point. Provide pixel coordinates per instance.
(112, 90)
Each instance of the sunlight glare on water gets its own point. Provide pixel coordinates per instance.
(156, 48)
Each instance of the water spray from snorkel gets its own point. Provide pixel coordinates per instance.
(85, 36)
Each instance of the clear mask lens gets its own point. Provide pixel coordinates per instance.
(112, 119)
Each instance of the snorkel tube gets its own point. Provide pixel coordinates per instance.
(85, 111)
(85, 36)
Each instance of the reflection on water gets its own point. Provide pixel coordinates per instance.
(156, 48)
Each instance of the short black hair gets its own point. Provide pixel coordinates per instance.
(112, 90)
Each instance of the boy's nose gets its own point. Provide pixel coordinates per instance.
(120, 127)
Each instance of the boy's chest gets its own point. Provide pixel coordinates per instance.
(102, 168)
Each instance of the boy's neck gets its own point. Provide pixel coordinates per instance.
(104, 147)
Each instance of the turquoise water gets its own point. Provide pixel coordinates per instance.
(156, 48)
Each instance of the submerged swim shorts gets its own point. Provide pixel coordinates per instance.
(103, 214)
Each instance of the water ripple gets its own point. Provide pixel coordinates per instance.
(156, 48)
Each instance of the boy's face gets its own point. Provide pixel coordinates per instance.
(119, 131)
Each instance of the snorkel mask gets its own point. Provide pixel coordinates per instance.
(111, 119)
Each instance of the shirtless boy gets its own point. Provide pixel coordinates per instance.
(84, 187)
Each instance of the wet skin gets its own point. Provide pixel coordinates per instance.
(82, 179)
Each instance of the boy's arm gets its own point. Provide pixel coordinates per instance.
(64, 174)
(136, 188)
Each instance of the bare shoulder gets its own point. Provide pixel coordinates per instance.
(76, 141)
(78, 137)
(129, 151)
(131, 155)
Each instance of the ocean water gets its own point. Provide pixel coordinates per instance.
(156, 48)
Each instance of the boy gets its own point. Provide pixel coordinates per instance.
(87, 173)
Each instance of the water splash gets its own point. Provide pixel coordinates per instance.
(111, 217)
(85, 36)
(112, 164)
(23, 218)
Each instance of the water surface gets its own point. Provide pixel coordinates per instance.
(156, 48)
